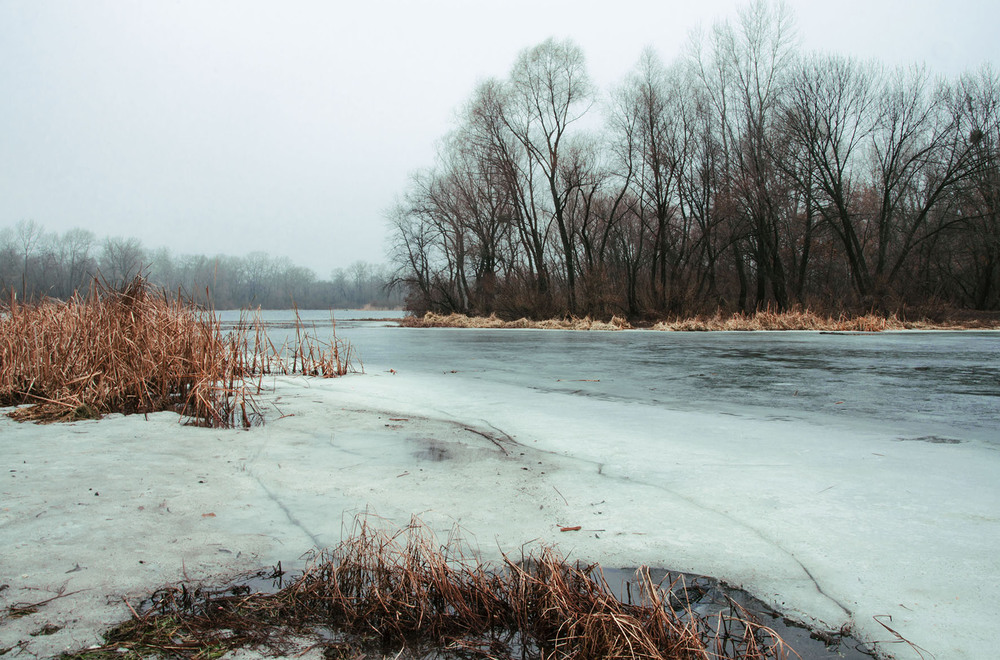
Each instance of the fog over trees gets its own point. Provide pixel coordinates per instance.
(36, 263)
(746, 174)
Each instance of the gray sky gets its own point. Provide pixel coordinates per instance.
(289, 127)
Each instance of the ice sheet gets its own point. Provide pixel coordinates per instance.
(833, 518)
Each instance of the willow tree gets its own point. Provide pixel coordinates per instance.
(507, 168)
(548, 92)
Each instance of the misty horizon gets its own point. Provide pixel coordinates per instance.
(35, 263)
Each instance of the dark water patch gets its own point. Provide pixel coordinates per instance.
(712, 600)
(968, 392)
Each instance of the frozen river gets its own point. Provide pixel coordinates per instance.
(942, 386)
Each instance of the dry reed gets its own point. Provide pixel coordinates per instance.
(797, 319)
(766, 319)
(432, 320)
(132, 351)
(391, 590)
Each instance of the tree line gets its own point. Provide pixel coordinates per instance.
(35, 263)
(744, 175)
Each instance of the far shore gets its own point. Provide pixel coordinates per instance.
(760, 321)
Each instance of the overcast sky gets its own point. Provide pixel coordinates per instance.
(290, 127)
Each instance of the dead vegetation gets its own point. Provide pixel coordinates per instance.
(766, 319)
(384, 590)
(789, 320)
(797, 319)
(133, 351)
(432, 320)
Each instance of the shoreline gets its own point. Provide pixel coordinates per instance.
(763, 321)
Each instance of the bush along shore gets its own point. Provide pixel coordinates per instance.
(131, 350)
(391, 592)
(760, 320)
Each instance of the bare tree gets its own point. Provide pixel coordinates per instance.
(121, 259)
(480, 203)
(593, 209)
(512, 180)
(256, 277)
(412, 250)
(75, 247)
(976, 266)
(920, 154)
(549, 92)
(742, 176)
(27, 236)
(743, 74)
(650, 118)
(828, 117)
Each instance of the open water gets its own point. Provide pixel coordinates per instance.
(934, 386)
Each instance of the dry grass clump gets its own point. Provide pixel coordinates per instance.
(432, 320)
(788, 320)
(131, 351)
(766, 319)
(387, 590)
(308, 355)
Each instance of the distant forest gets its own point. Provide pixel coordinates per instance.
(743, 175)
(35, 264)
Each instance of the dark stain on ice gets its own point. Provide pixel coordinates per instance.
(932, 439)
(431, 452)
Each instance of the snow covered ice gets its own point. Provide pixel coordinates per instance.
(840, 478)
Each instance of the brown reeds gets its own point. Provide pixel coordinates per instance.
(766, 319)
(312, 356)
(799, 319)
(132, 351)
(432, 320)
(387, 590)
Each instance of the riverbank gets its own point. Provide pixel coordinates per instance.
(759, 321)
(824, 525)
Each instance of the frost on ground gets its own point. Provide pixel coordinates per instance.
(835, 524)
